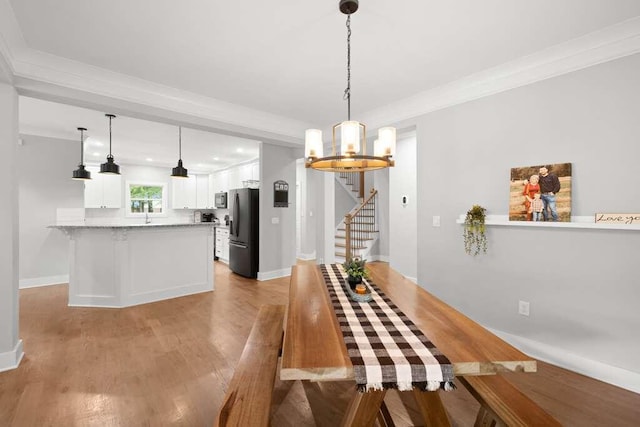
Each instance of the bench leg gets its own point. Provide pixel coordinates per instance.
(484, 419)
(431, 408)
(384, 416)
(363, 409)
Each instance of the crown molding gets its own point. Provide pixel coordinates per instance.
(11, 40)
(606, 44)
(39, 73)
(54, 78)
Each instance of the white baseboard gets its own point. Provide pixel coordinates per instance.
(413, 279)
(43, 281)
(382, 258)
(306, 257)
(11, 359)
(275, 274)
(592, 368)
(137, 299)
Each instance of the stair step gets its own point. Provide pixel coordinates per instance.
(360, 231)
(343, 245)
(360, 239)
(341, 254)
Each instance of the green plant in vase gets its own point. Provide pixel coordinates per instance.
(356, 271)
(475, 239)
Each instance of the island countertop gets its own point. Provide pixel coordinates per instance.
(151, 225)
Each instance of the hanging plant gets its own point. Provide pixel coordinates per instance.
(474, 238)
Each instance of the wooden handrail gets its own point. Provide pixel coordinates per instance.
(359, 208)
(362, 228)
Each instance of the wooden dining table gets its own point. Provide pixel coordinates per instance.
(314, 349)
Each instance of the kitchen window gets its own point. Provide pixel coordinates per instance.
(145, 198)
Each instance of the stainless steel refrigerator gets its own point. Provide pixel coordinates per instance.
(243, 231)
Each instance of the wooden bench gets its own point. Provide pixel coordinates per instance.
(248, 398)
(502, 404)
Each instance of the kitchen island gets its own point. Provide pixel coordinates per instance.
(124, 265)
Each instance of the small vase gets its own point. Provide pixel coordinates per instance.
(353, 281)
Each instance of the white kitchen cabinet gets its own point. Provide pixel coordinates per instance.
(234, 178)
(222, 243)
(184, 193)
(222, 179)
(103, 191)
(202, 192)
(245, 174)
(191, 193)
(255, 171)
(211, 196)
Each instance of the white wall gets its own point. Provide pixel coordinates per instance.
(10, 344)
(583, 285)
(277, 241)
(380, 181)
(306, 210)
(344, 202)
(44, 186)
(403, 220)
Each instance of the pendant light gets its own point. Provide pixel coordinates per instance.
(81, 173)
(109, 166)
(179, 171)
(352, 133)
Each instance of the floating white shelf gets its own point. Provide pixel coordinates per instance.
(576, 222)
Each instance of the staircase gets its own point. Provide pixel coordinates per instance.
(357, 232)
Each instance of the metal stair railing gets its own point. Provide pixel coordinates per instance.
(355, 180)
(360, 223)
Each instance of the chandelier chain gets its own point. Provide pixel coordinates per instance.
(347, 91)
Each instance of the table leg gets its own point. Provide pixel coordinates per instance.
(363, 409)
(431, 408)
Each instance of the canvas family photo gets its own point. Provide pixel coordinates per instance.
(540, 193)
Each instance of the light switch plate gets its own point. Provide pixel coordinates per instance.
(436, 220)
(275, 220)
(523, 308)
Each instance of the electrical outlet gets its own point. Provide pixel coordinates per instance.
(523, 308)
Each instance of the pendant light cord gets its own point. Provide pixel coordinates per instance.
(82, 147)
(180, 143)
(347, 91)
(110, 117)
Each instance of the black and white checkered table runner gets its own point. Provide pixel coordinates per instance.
(387, 349)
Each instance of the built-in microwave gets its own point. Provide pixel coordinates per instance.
(221, 200)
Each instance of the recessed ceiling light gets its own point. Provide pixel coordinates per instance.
(96, 154)
(216, 158)
(199, 165)
(94, 142)
(149, 159)
(239, 150)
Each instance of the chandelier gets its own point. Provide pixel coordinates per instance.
(352, 134)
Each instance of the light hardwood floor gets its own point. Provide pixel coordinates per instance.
(168, 363)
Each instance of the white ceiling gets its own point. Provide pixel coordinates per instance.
(288, 57)
(133, 140)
